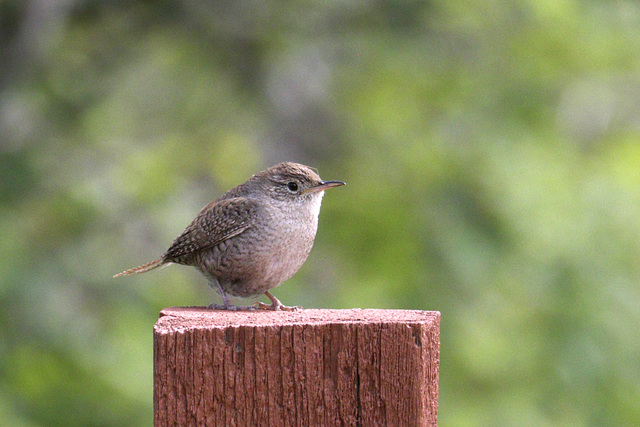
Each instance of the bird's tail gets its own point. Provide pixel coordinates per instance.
(143, 268)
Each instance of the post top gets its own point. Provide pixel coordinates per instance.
(175, 318)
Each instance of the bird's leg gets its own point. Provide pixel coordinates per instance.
(276, 305)
(226, 305)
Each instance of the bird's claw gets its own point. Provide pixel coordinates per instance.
(231, 307)
(275, 307)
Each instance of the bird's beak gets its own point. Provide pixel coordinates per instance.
(324, 185)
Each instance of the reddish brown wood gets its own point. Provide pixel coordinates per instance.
(310, 367)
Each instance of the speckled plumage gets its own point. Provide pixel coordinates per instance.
(255, 236)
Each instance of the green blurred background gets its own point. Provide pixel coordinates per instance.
(491, 151)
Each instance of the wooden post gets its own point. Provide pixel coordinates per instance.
(304, 368)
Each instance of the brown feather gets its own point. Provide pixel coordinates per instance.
(220, 220)
(151, 265)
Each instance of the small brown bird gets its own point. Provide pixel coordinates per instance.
(253, 237)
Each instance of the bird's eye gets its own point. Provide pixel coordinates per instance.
(292, 186)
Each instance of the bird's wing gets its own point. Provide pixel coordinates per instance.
(218, 221)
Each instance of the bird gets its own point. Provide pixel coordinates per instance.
(254, 237)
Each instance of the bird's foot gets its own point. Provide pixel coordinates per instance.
(226, 305)
(231, 307)
(275, 305)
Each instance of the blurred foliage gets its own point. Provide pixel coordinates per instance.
(491, 151)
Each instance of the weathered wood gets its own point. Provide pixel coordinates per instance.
(304, 368)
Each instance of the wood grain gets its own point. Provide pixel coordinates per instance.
(307, 368)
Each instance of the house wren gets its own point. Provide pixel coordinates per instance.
(253, 237)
